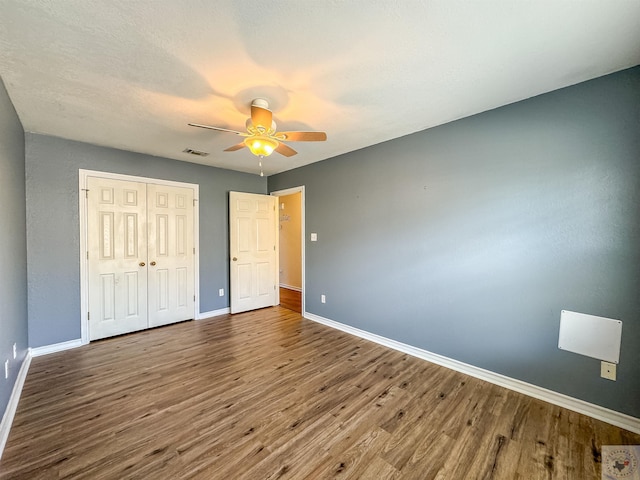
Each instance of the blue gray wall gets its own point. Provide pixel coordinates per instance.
(13, 251)
(53, 232)
(468, 239)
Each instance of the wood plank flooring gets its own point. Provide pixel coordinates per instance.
(291, 299)
(270, 395)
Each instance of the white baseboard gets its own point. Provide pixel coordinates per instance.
(56, 347)
(212, 313)
(12, 406)
(595, 411)
(290, 287)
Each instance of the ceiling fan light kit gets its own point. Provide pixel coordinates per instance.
(262, 139)
(261, 146)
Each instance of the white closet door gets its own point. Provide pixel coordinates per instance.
(170, 253)
(140, 256)
(117, 251)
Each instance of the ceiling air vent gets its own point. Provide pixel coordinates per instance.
(195, 152)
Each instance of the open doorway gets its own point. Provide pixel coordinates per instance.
(291, 238)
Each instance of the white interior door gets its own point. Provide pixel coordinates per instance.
(171, 254)
(117, 256)
(254, 257)
(141, 255)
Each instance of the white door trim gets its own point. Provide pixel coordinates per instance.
(83, 211)
(291, 191)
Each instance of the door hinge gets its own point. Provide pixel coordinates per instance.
(194, 298)
(194, 250)
(87, 254)
(88, 316)
(86, 192)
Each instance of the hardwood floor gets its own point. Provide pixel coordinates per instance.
(266, 395)
(291, 299)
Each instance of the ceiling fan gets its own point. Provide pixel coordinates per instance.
(261, 136)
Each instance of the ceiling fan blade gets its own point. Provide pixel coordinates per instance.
(235, 147)
(261, 117)
(303, 136)
(216, 128)
(285, 150)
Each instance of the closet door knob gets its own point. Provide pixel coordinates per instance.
(235, 259)
(153, 264)
(142, 264)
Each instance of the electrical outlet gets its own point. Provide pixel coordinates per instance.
(608, 370)
(323, 298)
(6, 369)
(314, 237)
(221, 292)
(15, 351)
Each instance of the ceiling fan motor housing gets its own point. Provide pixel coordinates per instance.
(250, 127)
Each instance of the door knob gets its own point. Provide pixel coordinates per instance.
(235, 259)
(142, 264)
(153, 264)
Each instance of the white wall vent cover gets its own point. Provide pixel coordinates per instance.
(596, 337)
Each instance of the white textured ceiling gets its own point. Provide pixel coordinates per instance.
(131, 74)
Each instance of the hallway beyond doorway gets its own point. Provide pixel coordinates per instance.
(291, 299)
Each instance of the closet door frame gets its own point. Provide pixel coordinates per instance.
(84, 265)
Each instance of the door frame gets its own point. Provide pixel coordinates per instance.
(84, 262)
(282, 193)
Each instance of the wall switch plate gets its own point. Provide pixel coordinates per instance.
(6, 369)
(323, 298)
(221, 292)
(314, 237)
(608, 370)
(15, 351)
